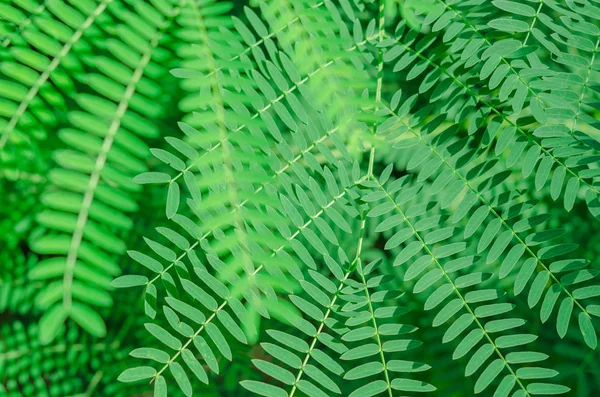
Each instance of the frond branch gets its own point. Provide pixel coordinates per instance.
(94, 180)
(258, 269)
(454, 287)
(485, 202)
(501, 114)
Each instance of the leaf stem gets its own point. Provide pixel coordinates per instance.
(381, 36)
(100, 162)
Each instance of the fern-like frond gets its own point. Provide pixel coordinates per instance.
(384, 203)
(370, 317)
(312, 362)
(90, 188)
(558, 137)
(228, 296)
(227, 190)
(475, 192)
(492, 237)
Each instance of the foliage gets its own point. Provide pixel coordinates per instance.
(279, 198)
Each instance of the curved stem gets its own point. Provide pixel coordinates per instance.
(374, 321)
(88, 196)
(535, 18)
(316, 337)
(380, 35)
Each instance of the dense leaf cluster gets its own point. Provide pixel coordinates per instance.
(279, 198)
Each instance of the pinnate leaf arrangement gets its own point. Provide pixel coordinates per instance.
(299, 198)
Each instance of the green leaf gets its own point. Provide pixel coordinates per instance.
(458, 327)
(275, 371)
(499, 246)
(546, 389)
(136, 374)
(181, 378)
(552, 295)
(418, 267)
(493, 309)
(217, 337)
(537, 288)
(172, 199)
(525, 357)
(160, 387)
(319, 376)
(587, 330)
(88, 319)
(468, 342)
(511, 259)
(476, 220)
(488, 235)
(194, 365)
(507, 341)
(536, 373)
(564, 316)
(207, 353)
(508, 25)
(51, 323)
(326, 361)
(411, 385)
(151, 354)
(447, 312)
(371, 389)
(530, 160)
(515, 8)
(359, 334)
(365, 350)
(187, 310)
(128, 281)
(571, 191)
(263, 389)
(215, 285)
(524, 274)
(542, 173)
(427, 280)
(538, 111)
(231, 326)
(282, 355)
(364, 370)
(488, 375)
(289, 340)
(147, 261)
(591, 291)
(162, 335)
(152, 177)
